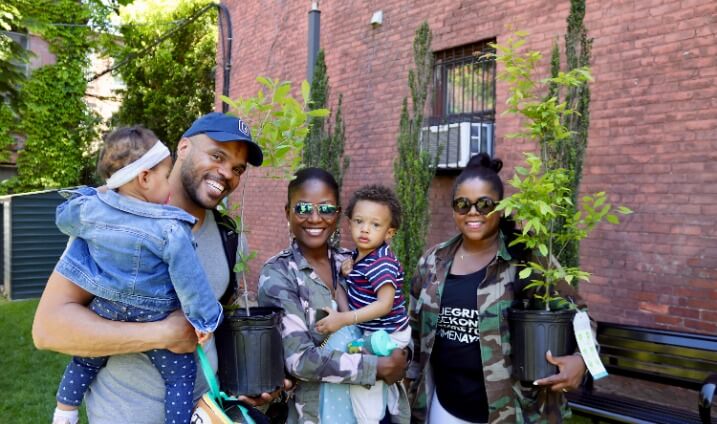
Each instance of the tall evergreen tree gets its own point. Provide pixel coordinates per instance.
(324, 145)
(570, 153)
(413, 168)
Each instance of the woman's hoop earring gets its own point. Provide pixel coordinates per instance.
(335, 238)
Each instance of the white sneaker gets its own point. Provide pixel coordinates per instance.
(65, 417)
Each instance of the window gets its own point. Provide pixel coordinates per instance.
(23, 41)
(461, 122)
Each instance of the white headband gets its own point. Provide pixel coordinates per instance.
(148, 160)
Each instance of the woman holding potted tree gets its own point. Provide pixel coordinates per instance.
(460, 295)
(304, 280)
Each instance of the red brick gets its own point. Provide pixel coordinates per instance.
(710, 316)
(685, 312)
(653, 308)
(668, 320)
(700, 303)
(652, 135)
(701, 326)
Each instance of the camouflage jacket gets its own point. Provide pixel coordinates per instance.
(508, 400)
(288, 281)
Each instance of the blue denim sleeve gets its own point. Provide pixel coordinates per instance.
(190, 282)
(68, 213)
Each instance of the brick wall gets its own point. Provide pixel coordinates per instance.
(41, 52)
(653, 135)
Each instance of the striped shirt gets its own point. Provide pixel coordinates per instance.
(368, 275)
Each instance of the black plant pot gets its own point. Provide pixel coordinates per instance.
(534, 332)
(251, 356)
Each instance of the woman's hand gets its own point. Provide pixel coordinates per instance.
(346, 267)
(392, 368)
(267, 397)
(571, 372)
(333, 321)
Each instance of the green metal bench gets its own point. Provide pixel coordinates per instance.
(668, 357)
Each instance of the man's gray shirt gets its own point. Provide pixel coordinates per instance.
(129, 389)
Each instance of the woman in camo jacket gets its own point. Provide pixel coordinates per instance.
(460, 294)
(304, 279)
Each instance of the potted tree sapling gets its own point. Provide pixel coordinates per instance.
(249, 343)
(548, 219)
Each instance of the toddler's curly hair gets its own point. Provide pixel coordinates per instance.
(379, 194)
(122, 147)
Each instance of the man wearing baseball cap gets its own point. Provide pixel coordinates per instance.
(211, 156)
(210, 159)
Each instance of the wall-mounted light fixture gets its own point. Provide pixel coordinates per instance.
(377, 18)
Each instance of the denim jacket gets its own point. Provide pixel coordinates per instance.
(136, 252)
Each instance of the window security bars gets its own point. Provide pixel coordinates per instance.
(461, 122)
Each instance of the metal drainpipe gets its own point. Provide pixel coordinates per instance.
(314, 30)
(226, 50)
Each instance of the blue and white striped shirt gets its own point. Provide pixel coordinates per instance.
(368, 275)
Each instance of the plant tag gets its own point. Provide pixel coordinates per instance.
(586, 344)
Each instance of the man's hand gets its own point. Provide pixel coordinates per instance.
(333, 322)
(571, 371)
(179, 335)
(267, 397)
(392, 368)
(346, 267)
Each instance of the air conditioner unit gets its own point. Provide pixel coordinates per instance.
(456, 143)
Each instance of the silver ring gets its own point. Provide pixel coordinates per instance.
(565, 390)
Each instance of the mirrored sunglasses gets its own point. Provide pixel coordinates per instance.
(325, 210)
(484, 205)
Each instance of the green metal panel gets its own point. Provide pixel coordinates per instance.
(2, 245)
(35, 242)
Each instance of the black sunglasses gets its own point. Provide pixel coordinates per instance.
(484, 205)
(306, 209)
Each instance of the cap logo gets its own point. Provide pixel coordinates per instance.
(243, 128)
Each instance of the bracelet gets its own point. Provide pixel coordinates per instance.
(355, 317)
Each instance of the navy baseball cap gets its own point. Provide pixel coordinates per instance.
(221, 127)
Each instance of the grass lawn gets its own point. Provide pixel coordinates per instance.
(30, 376)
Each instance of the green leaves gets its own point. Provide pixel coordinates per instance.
(525, 273)
(305, 91)
(278, 122)
(541, 198)
(543, 249)
(242, 263)
(319, 113)
(543, 202)
(413, 167)
(48, 109)
(324, 144)
(171, 85)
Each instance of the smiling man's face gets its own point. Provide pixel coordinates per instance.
(210, 170)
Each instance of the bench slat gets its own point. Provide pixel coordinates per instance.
(663, 356)
(623, 409)
(658, 357)
(672, 338)
(658, 348)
